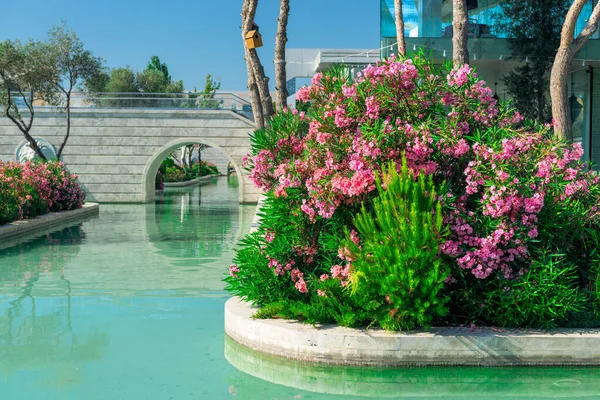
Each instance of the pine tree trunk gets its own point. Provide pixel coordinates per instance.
(280, 41)
(460, 36)
(400, 27)
(559, 77)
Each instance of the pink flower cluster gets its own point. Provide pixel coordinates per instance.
(500, 177)
(35, 188)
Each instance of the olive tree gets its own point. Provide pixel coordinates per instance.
(26, 73)
(73, 64)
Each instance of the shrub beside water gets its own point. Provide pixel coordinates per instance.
(174, 173)
(35, 188)
(519, 230)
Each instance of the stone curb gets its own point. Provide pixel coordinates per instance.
(413, 383)
(193, 182)
(26, 226)
(438, 347)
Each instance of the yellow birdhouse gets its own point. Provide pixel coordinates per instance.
(253, 39)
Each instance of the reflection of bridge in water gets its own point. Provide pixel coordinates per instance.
(118, 140)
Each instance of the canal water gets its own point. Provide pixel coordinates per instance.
(129, 305)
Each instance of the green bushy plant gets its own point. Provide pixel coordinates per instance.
(174, 174)
(397, 262)
(546, 296)
(514, 193)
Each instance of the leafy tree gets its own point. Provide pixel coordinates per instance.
(156, 66)
(97, 83)
(150, 81)
(207, 96)
(122, 80)
(26, 73)
(533, 28)
(73, 64)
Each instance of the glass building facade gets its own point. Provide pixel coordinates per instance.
(433, 18)
(428, 27)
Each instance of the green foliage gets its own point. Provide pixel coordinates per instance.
(150, 81)
(544, 297)
(519, 208)
(396, 264)
(533, 29)
(206, 98)
(154, 79)
(174, 174)
(122, 80)
(166, 163)
(26, 73)
(155, 65)
(73, 62)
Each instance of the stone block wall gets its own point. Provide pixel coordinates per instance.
(116, 152)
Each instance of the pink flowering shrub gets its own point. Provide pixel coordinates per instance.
(34, 188)
(511, 192)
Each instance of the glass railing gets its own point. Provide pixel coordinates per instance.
(217, 101)
(165, 101)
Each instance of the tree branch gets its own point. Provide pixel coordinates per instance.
(590, 28)
(568, 29)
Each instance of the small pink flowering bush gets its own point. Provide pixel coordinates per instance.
(34, 188)
(521, 210)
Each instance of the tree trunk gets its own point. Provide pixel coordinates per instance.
(559, 92)
(256, 72)
(400, 27)
(68, 110)
(460, 28)
(257, 111)
(262, 81)
(25, 129)
(559, 77)
(280, 41)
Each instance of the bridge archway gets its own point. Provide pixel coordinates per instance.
(116, 152)
(155, 161)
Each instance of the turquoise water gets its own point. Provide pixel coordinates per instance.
(129, 305)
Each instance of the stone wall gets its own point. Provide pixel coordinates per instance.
(116, 152)
(216, 157)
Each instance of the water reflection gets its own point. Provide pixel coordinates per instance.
(99, 308)
(33, 329)
(447, 383)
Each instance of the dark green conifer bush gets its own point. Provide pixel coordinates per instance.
(396, 261)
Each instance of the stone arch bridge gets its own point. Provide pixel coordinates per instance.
(117, 152)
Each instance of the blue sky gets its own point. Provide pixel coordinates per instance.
(194, 37)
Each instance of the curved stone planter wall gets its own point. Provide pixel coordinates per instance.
(193, 182)
(440, 346)
(427, 382)
(46, 221)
